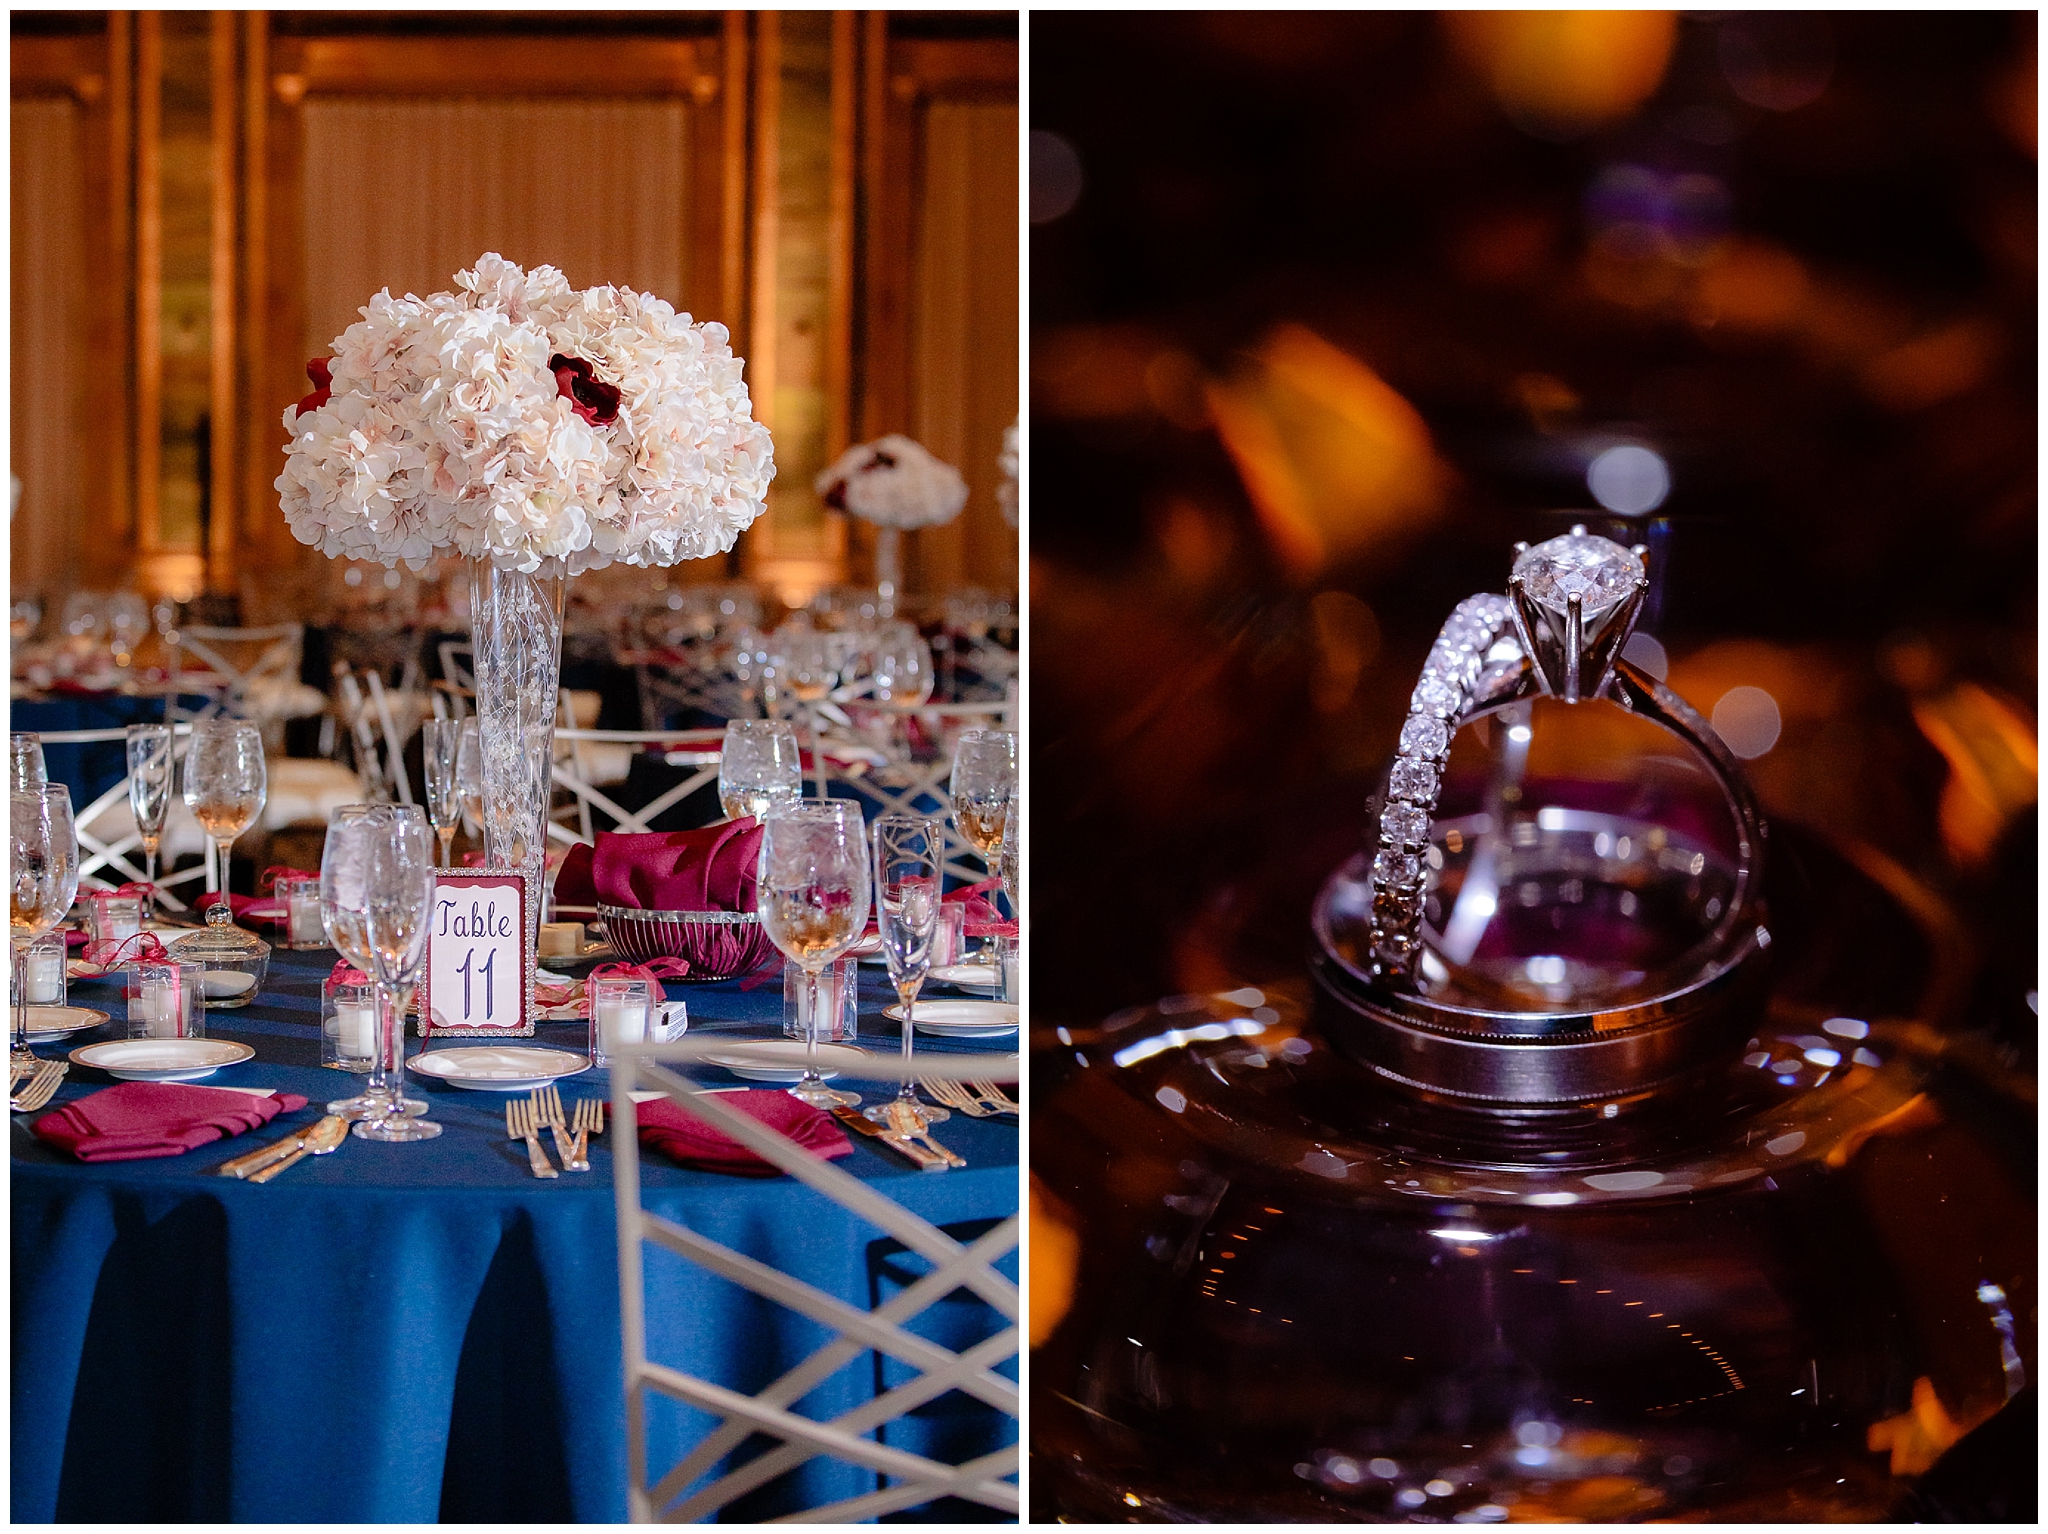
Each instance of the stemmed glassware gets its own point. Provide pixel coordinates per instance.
(43, 863)
(441, 741)
(400, 890)
(759, 767)
(908, 851)
(25, 766)
(984, 781)
(814, 903)
(469, 778)
(224, 782)
(346, 877)
(149, 796)
(807, 669)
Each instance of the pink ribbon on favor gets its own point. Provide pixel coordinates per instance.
(108, 954)
(654, 971)
(345, 973)
(983, 919)
(269, 877)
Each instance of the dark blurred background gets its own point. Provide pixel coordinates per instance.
(1330, 309)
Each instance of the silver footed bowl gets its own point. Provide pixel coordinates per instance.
(717, 945)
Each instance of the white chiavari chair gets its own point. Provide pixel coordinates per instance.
(260, 688)
(693, 1488)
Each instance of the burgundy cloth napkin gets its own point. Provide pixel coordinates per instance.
(677, 1134)
(712, 869)
(140, 1119)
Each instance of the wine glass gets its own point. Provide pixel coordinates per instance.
(902, 667)
(1009, 856)
(399, 890)
(908, 850)
(469, 778)
(43, 862)
(149, 795)
(984, 773)
(25, 766)
(345, 876)
(814, 903)
(224, 783)
(127, 625)
(758, 767)
(441, 741)
(806, 668)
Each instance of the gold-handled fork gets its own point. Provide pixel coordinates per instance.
(547, 1109)
(950, 1094)
(589, 1120)
(519, 1125)
(42, 1086)
(996, 1097)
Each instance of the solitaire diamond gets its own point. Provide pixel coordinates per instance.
(1600, 573)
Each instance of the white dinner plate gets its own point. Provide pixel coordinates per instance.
(498, 1067)
(969, 977)
(832, 1059)
(161, 1059)
(961, 1019)
(48, 1024)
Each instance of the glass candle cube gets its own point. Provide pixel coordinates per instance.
(621, 1011)
(348, 1022)
(44, 961)
(840, 987)
(298, 896)
(166, 1000)
(111, 916)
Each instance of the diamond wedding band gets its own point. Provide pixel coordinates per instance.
(1570, 606)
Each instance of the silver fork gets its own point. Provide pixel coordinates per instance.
(547, 1107)
(42, 1086)
(519, 1125)
(949, 1094)
(589, 1120)
(996, 1097)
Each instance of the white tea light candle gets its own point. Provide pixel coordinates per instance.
(45, 976)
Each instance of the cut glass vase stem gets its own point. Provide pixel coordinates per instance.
(516, 630)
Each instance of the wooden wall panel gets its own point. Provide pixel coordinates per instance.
(595, 187)
(50, 433)
(964, 331)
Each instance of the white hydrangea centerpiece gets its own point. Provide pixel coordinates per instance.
(1008, 462)
(893, 482)
(521, 422)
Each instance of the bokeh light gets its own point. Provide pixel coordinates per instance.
(1056, 179)
(1747, 721)
(1629, 480)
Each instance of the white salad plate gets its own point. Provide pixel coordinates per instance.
(961, 1019)
(497, 1067)
(763, 1061)
(969, 977)
(46, 1025)
(161, 1059)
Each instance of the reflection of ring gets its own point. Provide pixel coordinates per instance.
(1571, 605)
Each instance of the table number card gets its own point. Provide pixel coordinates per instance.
(478, 978)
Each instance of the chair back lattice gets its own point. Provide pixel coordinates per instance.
(226, 681)
(104, 860)
(365, 706)
(573, 817)
(695, 1487)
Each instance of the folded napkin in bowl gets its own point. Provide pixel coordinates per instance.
(711, 869)
(140, 1119)
(689, 1140)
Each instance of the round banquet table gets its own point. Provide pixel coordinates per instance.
(406, 1333)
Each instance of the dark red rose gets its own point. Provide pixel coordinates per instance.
(597, 402)
(323, 385)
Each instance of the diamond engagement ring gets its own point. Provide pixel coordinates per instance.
(1570, 606)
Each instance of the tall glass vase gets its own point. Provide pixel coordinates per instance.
(888, 569)
(516, 628)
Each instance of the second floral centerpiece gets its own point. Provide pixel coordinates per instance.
(537, 431)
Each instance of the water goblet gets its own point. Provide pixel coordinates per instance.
(441, 742)
(908, 852)
(149, 796)
(814, 903)
(345, 913)
(759, 766)
(399, 894)
(224, 783)
(984, 773)
(43, 864)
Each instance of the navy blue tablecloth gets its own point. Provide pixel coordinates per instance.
(425, 1331)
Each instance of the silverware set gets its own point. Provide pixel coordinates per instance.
(976, 1099)
(266, 1161)
(525, 1118)
(38, 1083)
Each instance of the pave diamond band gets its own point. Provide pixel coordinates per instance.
(1570, 607)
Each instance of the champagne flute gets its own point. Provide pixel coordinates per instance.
(224, 783)
(908, 851)
(399, 891)
(25, 765)
(814, 903)
(469, 779)
(441, 740)
(43, 862)
(345, 913)
(759, 766)
(149, 795)
(984, 773)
